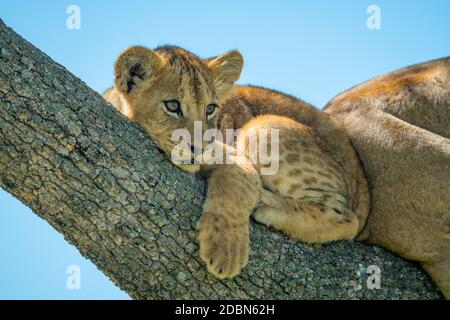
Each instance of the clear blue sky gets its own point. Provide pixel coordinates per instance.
(311, 49)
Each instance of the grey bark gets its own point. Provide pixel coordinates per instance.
(99, 180)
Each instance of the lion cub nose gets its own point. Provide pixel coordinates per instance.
(196, 149)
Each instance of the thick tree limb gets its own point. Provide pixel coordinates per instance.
(98, 179)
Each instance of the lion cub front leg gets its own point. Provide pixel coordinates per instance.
(233, 192)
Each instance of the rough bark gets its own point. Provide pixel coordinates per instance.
(99, 180)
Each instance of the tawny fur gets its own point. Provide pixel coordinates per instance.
(319, 193)
(400, 126)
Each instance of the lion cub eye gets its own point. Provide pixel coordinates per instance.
(211, 109)
(173, 107)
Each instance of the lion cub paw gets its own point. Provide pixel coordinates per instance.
(223, 244)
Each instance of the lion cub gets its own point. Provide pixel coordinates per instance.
(319, 192)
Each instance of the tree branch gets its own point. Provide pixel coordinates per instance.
(99, 180)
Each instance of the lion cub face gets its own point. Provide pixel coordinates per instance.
(170, 88)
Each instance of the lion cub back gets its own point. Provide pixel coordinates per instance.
(112, 96)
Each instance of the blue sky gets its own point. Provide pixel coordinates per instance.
(311, 49)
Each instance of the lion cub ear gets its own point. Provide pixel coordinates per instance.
(226, 69)
(135, 65)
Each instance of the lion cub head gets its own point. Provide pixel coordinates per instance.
(170, 88)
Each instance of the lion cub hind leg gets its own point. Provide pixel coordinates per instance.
(309, 197)
(307, 222)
